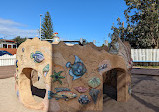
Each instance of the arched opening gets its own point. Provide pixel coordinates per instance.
(31, 88)
(110, 83)
(37, 86)
(115, 84)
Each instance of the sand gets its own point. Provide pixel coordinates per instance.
(145, 97)
(8, 98)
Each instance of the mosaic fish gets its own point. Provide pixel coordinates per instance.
(83, 99)
(78, 69)
(94, 94)
(61, 89)
(38, 56)
(94, 82)
(81, 89)
(46, 70)
(62, 94)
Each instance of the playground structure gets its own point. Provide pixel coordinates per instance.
(73, 76)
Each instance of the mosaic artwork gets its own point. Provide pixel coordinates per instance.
(16, 77)
(129, 89)
(81, 89)
(16, 63)
(77, 69)
(57, 77)
(94, 94)
(114, 46)
(38, 57)
(83, 99)
(62, 93)
(46, 70)
(94, 82)
(23, 49)
(102, 67)
(17, 93)
(61, 89)
(130, 64)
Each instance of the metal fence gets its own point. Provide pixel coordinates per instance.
(146, 57)
(6, 60)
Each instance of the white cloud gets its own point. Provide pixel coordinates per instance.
(12, 28)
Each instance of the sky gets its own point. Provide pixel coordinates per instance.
(72, 19)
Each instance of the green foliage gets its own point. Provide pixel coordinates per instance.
(118, 31)
(47, 27)
(19, 40)
(142, 24)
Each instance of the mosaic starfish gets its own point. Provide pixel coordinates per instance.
(57, 77)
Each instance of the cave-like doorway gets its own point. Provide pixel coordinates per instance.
(110, 84)
(115, 84)
(31, 88)
(38, 87)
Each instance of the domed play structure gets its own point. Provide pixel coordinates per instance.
(57, 77)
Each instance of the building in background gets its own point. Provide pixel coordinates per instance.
(8, 45)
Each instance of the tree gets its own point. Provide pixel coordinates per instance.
(142, 24)
(19, 40)
(47, 27)
(118, 31)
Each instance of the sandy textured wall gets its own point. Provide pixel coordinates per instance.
(25, 66)
(92, 58)
(65, 63)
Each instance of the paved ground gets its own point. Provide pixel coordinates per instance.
(145, 96)
(7, 71)
(145, 71)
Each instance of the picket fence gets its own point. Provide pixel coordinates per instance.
(146, 57)
(139, 56)
(7, 60)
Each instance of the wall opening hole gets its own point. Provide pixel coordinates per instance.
(38, 87)
(110, 84)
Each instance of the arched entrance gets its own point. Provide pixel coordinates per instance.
(115, 84)
(110, 84)
(32, 91)
(38, 87)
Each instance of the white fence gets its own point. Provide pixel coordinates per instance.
(6, 60)
(145, 55)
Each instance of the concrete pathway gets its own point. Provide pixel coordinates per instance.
(7, 71)
(145, 71)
